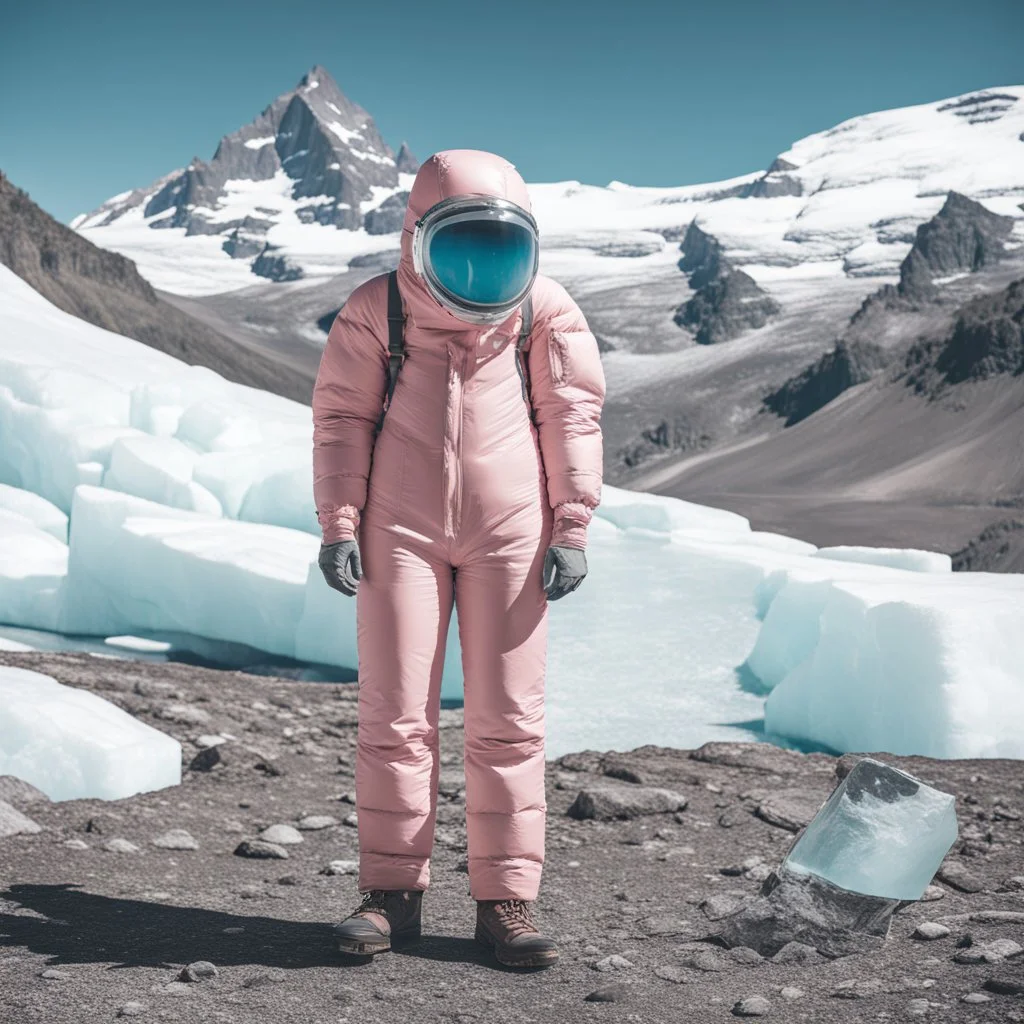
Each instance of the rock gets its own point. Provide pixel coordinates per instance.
(343, 867)
(796, 953)
(752, 1006)
(260, 850)
(52, 974)
(18, 792)
(14, 823)
(790, 809)
(954, 874)
(762, 757)
(617, 992)
(610, 802)
(721, 906)
(993, 952)
(1004, 985)
(622, 772)
(676, 975)
(200, 970)
(132, 1009)
(976, 997)
(120, 846)
(706, 960)
(207, 759)
(929, 930)
(1015, 883)
(744, 956)
(791, 992)
(76, 844)
(998, 917)
(316, 822)
(176, 839)
(857, 988)
(185, 714)
(918, 1007)
(933, 893)
(664, 924)
(282, 835)
(759, 873)
(810, 910)
(615, 962)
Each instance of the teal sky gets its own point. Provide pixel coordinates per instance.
(99, 98)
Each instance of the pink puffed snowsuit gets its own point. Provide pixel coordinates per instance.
(463, 499)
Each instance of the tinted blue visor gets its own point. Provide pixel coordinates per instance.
(481, 260)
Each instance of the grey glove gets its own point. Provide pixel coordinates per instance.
(341, 565)
(564, 571)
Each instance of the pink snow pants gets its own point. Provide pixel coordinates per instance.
(454, 505)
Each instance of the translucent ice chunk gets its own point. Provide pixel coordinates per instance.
(73, 744)
(881, 833)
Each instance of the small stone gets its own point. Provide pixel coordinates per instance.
(132, 1009)
(706, 960)
(752, 1006)
(282, 835)
(998, 917)
(856, 988)
(200, 970)
(929, 930)
(615, 962)
(993, 952)
(745, 955)
(932, 893)
(1015, 883)
(207, 759)
(176, 839)
(233, 931)
(674, 974)
(976, 997)
(603, 802)
(185, 714)
(352, 820)
(617, 992)
(52, 974)
(76, 844)
(204, 742)
(120, 846)
(796, 953)
(717, 907)
(260, 850)
(1003, 985)
(177, 988)
(14, 823)
(316, 822)
(918, 1007)
(789, 809)
(956, 875)
(758, 873)
(343, 867)
(792, 992)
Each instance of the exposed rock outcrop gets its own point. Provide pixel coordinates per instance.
(107, 290)
(727, 301)
(848, 364)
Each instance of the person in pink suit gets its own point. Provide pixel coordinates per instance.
(475, 490)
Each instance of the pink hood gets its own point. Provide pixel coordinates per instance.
(452, 172)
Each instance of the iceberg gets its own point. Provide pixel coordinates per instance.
(73, 744)
(881, 833)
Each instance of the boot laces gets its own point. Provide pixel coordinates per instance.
(515, 915)
(373, 901)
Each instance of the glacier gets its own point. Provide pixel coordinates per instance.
(144, 498)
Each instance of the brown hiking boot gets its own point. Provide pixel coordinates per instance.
(507, 926)
(385, 917)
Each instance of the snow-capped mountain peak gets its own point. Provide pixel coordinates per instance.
(313, 156)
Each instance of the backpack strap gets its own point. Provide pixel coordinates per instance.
(521, 342)
(396, 340)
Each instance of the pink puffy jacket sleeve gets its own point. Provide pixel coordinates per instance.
(348, 396)
(567, 386)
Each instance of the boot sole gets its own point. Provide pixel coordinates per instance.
(535, 959)
(358, 947)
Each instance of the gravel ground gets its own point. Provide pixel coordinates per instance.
(143, 906)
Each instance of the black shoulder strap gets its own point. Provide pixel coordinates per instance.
(396, 340)
(524, 336)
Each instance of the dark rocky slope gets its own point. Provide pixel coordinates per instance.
(105, 289)
(88, 933)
